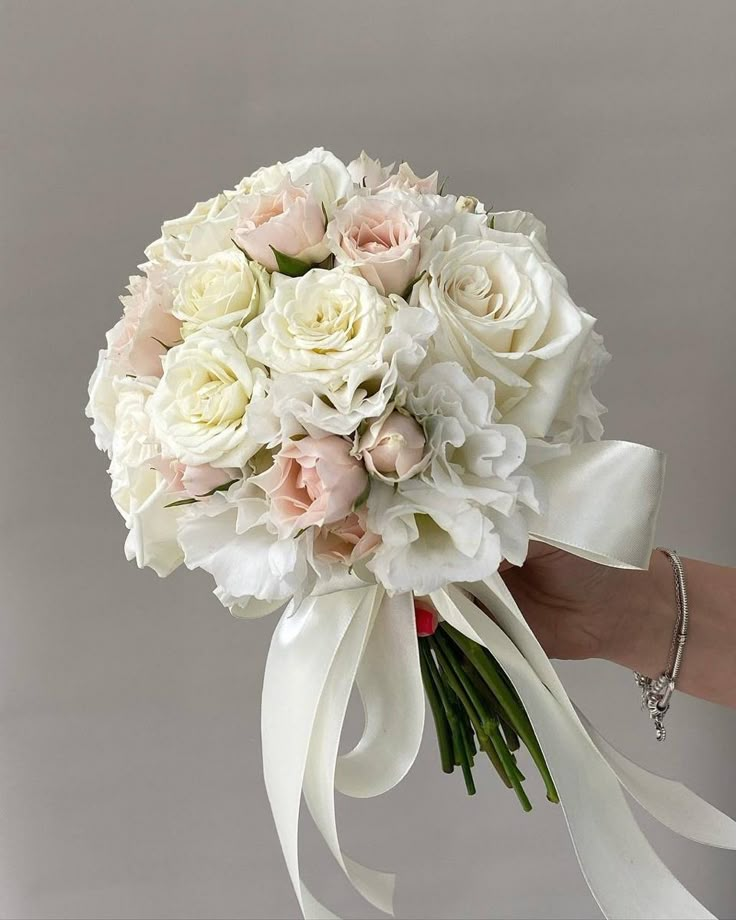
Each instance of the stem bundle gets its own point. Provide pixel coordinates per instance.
(475, 708)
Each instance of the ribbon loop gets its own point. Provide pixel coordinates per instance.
(602, 502)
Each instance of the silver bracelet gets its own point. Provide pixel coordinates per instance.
(656, 693)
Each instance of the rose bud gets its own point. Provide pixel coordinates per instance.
(426, 618)
(393, 446)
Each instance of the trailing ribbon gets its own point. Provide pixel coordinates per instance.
(602, 502)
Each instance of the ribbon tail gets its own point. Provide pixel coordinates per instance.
(303, 648)
(390, 684)
(319, 777)
(669, 802)
(624, 874)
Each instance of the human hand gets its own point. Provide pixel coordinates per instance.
(580, 609)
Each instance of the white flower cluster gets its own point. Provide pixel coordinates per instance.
(337, 371)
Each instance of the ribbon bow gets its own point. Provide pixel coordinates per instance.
(602, 504)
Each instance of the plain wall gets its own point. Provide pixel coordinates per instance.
(130, 775)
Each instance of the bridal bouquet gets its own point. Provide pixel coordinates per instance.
(349, 397)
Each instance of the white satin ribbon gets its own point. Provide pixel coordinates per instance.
(303, 648)
(602, 502)
(390, 686)
(317, 653)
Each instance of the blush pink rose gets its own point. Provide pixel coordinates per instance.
(394, 447)
(406, 178)
(369, 173)
(313, 482)
(140, 338)
(380, 238)
(290, 220)
(345, 541)
(193, 481)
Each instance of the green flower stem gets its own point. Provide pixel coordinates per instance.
(484, 719)
(487, 725)
(473, 701)
(515, 775)
(442, 726)
(483, 722)
(510, 737)
(466, 726)
(468, 748)
(491, 673)
(490, 751)
(489, 697)
(466, 735)
(459, 756)
(468, 777)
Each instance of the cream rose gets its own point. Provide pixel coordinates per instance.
(324, 324)
(520, 222)
(133, 441)
(289, 220)
(504, 312)
(205, 230)
(224, 290)
(380, 237)
(200, 408)
(338, 353)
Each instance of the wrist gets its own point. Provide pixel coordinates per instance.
(646, 618)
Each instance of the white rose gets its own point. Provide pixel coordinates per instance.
(323, 324)
(225, 290)
(100, 407)
(504, 312)
(337, 351)
(443, 210)
(520, 222)
(200, 408)
(139, 491)
(133, 440)
(578, 417)
(319, 170)
(205, 230)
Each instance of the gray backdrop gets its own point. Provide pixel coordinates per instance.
(130, 776)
